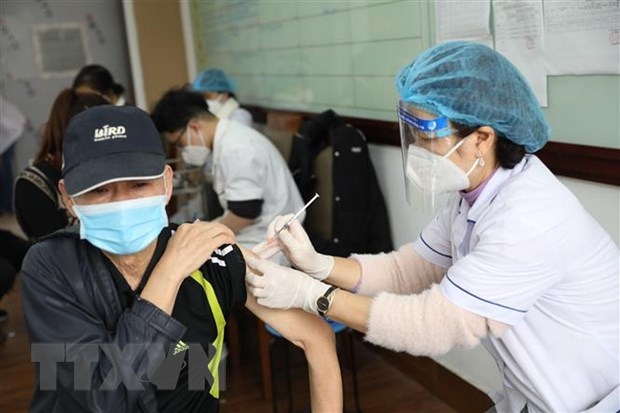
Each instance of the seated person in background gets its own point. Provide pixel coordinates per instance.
(251, 179)
(7, 277)
(12, 252)
(219, 92)
(36, 199)
(98, 79)
(124, 276)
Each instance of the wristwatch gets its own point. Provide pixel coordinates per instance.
(324, 302)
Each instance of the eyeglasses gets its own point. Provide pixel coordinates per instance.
(176, 141)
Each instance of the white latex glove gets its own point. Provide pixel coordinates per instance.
(272, 245)
(267, 249)
(296, 245)
(281, 287)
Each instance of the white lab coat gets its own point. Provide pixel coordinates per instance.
(527, 254)
(247, 166)
(231, 110)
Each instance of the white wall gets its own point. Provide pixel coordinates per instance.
(21, 81)
(476, 366)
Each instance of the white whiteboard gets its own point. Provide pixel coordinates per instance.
(312, 55)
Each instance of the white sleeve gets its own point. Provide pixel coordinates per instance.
(243, 175)
(513, 262)
(434, 242)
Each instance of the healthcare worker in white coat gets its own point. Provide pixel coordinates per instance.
(218, 89)
(512, 260)
(251, 178)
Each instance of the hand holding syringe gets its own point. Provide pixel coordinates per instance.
(273, 239)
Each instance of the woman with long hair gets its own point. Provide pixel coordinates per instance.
(36, 198)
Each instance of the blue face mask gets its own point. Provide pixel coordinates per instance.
(123, 227)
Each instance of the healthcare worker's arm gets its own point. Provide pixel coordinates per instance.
(235, 222)
(240, 181)
(421, 324)
(402, 271)
(313, 335)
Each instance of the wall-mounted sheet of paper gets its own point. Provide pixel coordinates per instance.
(582, 36)
(518, 36)
(60, 49)
(468, 20)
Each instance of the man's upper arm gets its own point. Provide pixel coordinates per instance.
(225, 270)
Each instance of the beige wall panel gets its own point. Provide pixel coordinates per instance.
(162, 51)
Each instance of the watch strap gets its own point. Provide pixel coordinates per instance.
(327, 295)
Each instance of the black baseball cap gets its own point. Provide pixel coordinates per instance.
(110, 143)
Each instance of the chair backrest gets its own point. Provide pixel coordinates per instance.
(281, 139)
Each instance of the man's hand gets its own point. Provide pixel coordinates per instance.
(192, 245)
(281, 287)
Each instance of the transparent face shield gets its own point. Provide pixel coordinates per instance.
(426, 142)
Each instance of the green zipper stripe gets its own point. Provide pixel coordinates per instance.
(220, 323)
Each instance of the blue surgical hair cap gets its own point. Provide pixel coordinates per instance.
(474, 85)
(213, 80)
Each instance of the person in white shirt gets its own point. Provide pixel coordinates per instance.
(218, 89)
(512, 260)
(251, 179)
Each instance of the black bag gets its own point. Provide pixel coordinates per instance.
(38, 178)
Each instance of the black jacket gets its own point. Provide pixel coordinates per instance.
(360, 221)
(70, 300)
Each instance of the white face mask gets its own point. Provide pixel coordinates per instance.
(214, 105)
(195, 155)
(435, 174)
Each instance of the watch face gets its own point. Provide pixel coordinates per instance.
(322, 304)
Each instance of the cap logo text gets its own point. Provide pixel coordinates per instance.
(110, 132)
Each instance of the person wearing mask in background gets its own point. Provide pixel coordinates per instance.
(251, 179)
(98, 79)
(151, 292)
(38, 207)
(219, 91)
(512, 259)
